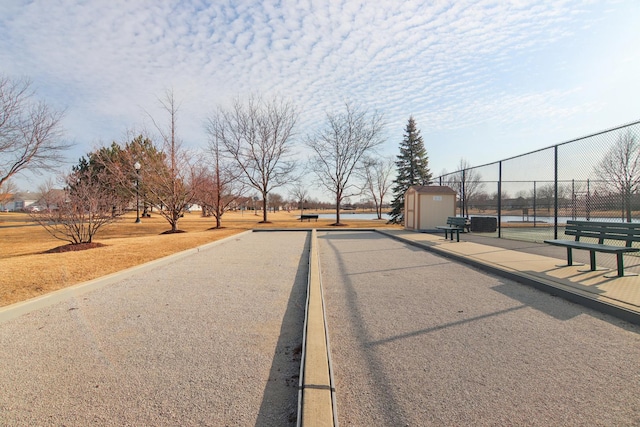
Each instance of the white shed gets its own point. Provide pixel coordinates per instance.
(427, 206)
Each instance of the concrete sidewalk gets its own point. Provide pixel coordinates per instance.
(543, 266)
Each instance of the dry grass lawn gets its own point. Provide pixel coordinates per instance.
(27, 271)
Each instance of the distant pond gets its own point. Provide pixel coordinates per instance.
(355, 216)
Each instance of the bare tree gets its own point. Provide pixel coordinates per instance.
(467, 182)
(217, 187)
(300, 194)
(30, 131)
(48, 194)
(620, 169)
(546, 194)
(275, 201)
(377, 179)
(119, 163)
(169, 186)
(258, 135)
(7, 191)
(340, 147)
(482, 201)
(82, 209)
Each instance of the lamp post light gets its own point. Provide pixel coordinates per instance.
(137, 166)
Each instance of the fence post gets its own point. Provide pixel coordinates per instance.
(555, 192)
(588, 207)
(574, 200)
(535, 213)
(500, 199)
(464, 196)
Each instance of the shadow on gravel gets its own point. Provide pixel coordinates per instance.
(441, 327)
(280, 398)
(388, 407)
(540, 301)
(554, 306)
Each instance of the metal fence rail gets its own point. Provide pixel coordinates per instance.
(533, 194)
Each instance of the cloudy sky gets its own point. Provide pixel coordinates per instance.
(485, 80)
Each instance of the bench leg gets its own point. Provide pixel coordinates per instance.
(457, 236)
(620, 271)
(620, 268)
(592, 263)
(569, 259)
(620, 264)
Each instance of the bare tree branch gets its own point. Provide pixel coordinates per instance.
(30, 132)
(377, 180)
(258, 135)
(169, 187)
(83, 208)
(340, 146)
(620, 169)
(217, 185)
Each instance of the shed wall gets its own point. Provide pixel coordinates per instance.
(434, 210)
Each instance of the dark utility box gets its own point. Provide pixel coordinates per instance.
(484, 224)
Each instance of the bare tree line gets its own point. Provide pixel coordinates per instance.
(31, 136)
(252, 151)
(251, 148)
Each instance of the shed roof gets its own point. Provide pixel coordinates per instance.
(433, 189)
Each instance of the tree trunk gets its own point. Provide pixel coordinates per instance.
(174, 221)
(264, 207)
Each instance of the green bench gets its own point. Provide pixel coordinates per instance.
(600, 231)
(454, 223)
(308, 217)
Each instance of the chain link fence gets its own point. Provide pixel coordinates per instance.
(530, 197)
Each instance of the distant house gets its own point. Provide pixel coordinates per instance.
(427, 206)
(20, 202)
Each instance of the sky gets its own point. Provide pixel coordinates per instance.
(485, 80)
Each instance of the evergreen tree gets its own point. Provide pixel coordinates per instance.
(413, 169)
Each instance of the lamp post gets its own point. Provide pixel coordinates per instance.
(137, 166)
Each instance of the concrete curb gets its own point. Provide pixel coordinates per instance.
(316, 404)
(18, 309)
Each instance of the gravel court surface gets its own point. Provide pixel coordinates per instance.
(211, 339)
(419, 340)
